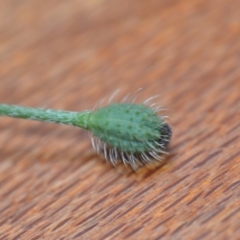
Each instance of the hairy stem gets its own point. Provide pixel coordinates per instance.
(78, 119)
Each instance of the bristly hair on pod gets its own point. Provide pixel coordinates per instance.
(127, 132)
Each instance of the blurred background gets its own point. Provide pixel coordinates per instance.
(70, 55)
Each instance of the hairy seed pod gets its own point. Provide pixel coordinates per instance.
(132, 133)
(123, 132)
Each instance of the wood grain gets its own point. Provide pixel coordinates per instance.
(70, 55)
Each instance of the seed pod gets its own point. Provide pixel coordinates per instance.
(123, 132)
(127, 132)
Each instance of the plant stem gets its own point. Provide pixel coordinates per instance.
(78, 119)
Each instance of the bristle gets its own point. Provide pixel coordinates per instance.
(113, 96)
(148, 101)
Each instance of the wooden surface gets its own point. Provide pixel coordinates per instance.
(70, 55)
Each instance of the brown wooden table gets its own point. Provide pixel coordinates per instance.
(71, 54)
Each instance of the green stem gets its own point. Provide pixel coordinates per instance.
(78, 119)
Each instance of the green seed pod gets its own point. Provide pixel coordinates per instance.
(132, 133)
(123, 132)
